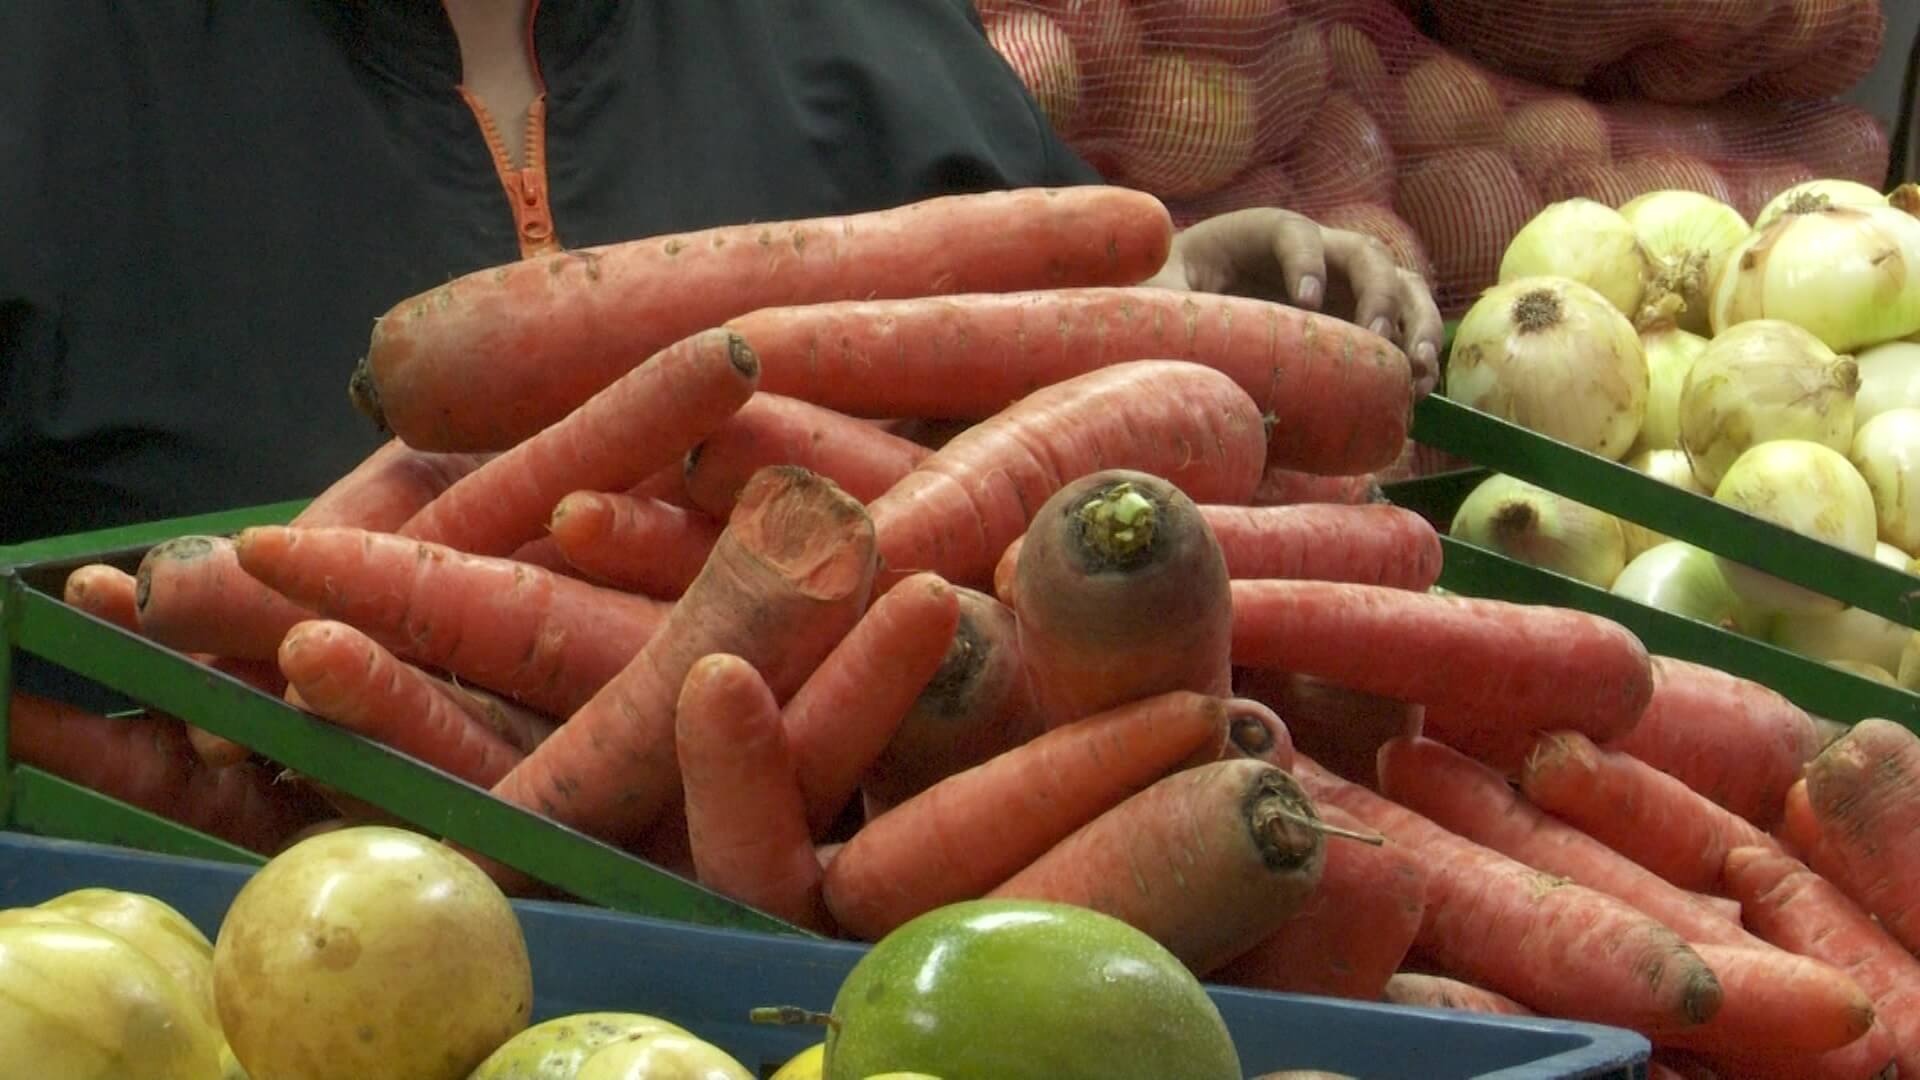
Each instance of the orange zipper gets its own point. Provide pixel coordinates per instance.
(526, 187)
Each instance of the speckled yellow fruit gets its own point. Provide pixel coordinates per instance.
(370, 951)
(662, 1055)
(79, 1001)
(555, 1049)
(808, 1064)
(155, 928)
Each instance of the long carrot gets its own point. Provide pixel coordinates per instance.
(842, 718)
(1340, 397)
(543, 639)
(146, 761)
(543, 335)
(774, 430)
(1798, 910)
(1872, 1057)
(965, 503)
(1341, 729)
(1635, 809)
(193, 595)
(1731, 739)
(1291, 487)
(1423, 991)
(746, 819)
(642, 545)
(1120, 593)
(1554, 946)
(1208, 861)
(1776, 1002)
(389, 486)
(1524, 665)
(789, 576)
(1800, 833)
(974, 830)
(1472, 800)
(1352, 933)
(638, 424)
(347, 678)
(1865, 791)
(521, 727)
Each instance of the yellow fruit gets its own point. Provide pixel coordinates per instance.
(370, 952)
(79, 1001)
(662, 1055)
(555, 1049)
(155, 928)
(808, 1064)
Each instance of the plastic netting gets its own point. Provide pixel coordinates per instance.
(1347, 111)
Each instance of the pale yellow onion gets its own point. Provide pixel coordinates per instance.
(1850, 275)
(1586, 241)
(1889, 379)
(1907, 675)
(1809, 488)
(1853, 634)
(1886, 450)
(1552, 355)
(1761, 381)
(1686, 236)
(1680, 579)
(1666, 466)
(1811, 195)
(1541, 528)
(1866, 671)
(1671, 353)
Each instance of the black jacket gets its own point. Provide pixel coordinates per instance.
(204, 204)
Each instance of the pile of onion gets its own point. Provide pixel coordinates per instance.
(1686, 237)
(1850, 635)
(1586, 241)
(1762, 381)
(1680, 579)
(1668, 467)
(1886, 450)
(1850, 275)
(1538, 527)
(1811, 489)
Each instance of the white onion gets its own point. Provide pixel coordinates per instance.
(1809, 488)
(1850, 275)
(1889, 379)
(1853, 634)
(1686, 236)
(1681, 579)
(1553, 356)
(1668, 467)
(1886, 450)
(1586, 241)
(1907, 674)
(1866, 671)
(1541, 528)
(1671, 353)
(1760, 381)
(1811, 195)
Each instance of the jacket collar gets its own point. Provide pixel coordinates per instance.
(412, 42)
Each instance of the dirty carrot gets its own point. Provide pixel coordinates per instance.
(1873, 1056)
(1340, 397)
(347, 678)
(544, 334)
(642, 545)
(1865, 792)
(193, 596)
(1208, 861)
(771, 429)
(841, 719)
(1341, 729)
(1529, 666)
(788, 578)
(389, 486)
(541, 638)
(1776, 1002)
(975, 829)
(746, 820)
(104, 592)
(1425, 991)
(1120, 593)
(638, 424)
(966, 502)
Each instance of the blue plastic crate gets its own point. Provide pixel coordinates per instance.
(707, 980)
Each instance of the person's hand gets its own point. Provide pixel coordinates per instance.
(1279, 255)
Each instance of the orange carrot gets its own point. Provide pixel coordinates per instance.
(774, 430)
(1472, 800)
(1730, 739)
(1635, 809)
(789, 576)
(387, 488)
(1341, 729)
(1800, 833)
(146, 761)
(1422, 991)
(642, 545)
(1557, 947)
(521, 727)
(1863, 791)
(1872, 1057)
(975, 705)
(1776, 1002)
(841, 719)
(1350, 936)
(972, 831)
(1341, 398)
(1802, 912)
(1290, 487)
(1120, 594)
(746, 819)
(346, 677)
(966, 502)
(1523, 665)
(193, 596)
(543, 335)
(1256, 731)
(1208, 861)
(543, 639)
(640, 423)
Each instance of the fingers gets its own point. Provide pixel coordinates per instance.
(1299, 246)
(1390, 301)
(1422, 331)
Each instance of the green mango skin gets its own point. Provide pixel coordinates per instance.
(556, 1049)
(1025, 990)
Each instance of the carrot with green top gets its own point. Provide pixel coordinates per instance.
(770, 429)
(643, 545)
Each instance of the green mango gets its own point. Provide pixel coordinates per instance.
(1025, 990)
(556, 1049)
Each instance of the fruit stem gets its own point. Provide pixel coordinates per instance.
(792, 1014)
(1320, 826)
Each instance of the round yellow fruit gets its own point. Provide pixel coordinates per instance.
(808, 1064)
(555, 1049)
(370, 951)
(79, 1001)
(155, 928)
(662, 1055)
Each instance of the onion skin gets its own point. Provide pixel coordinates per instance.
(1761, 381)
(1850, 275)
(1809, 488)
(1533, 525)
(1586, 241)
(1680, 579)
(1889, 379)
(1886, 450)
(1819, 194)
(1687, 237)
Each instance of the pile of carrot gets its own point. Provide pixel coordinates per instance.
(869, 564)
